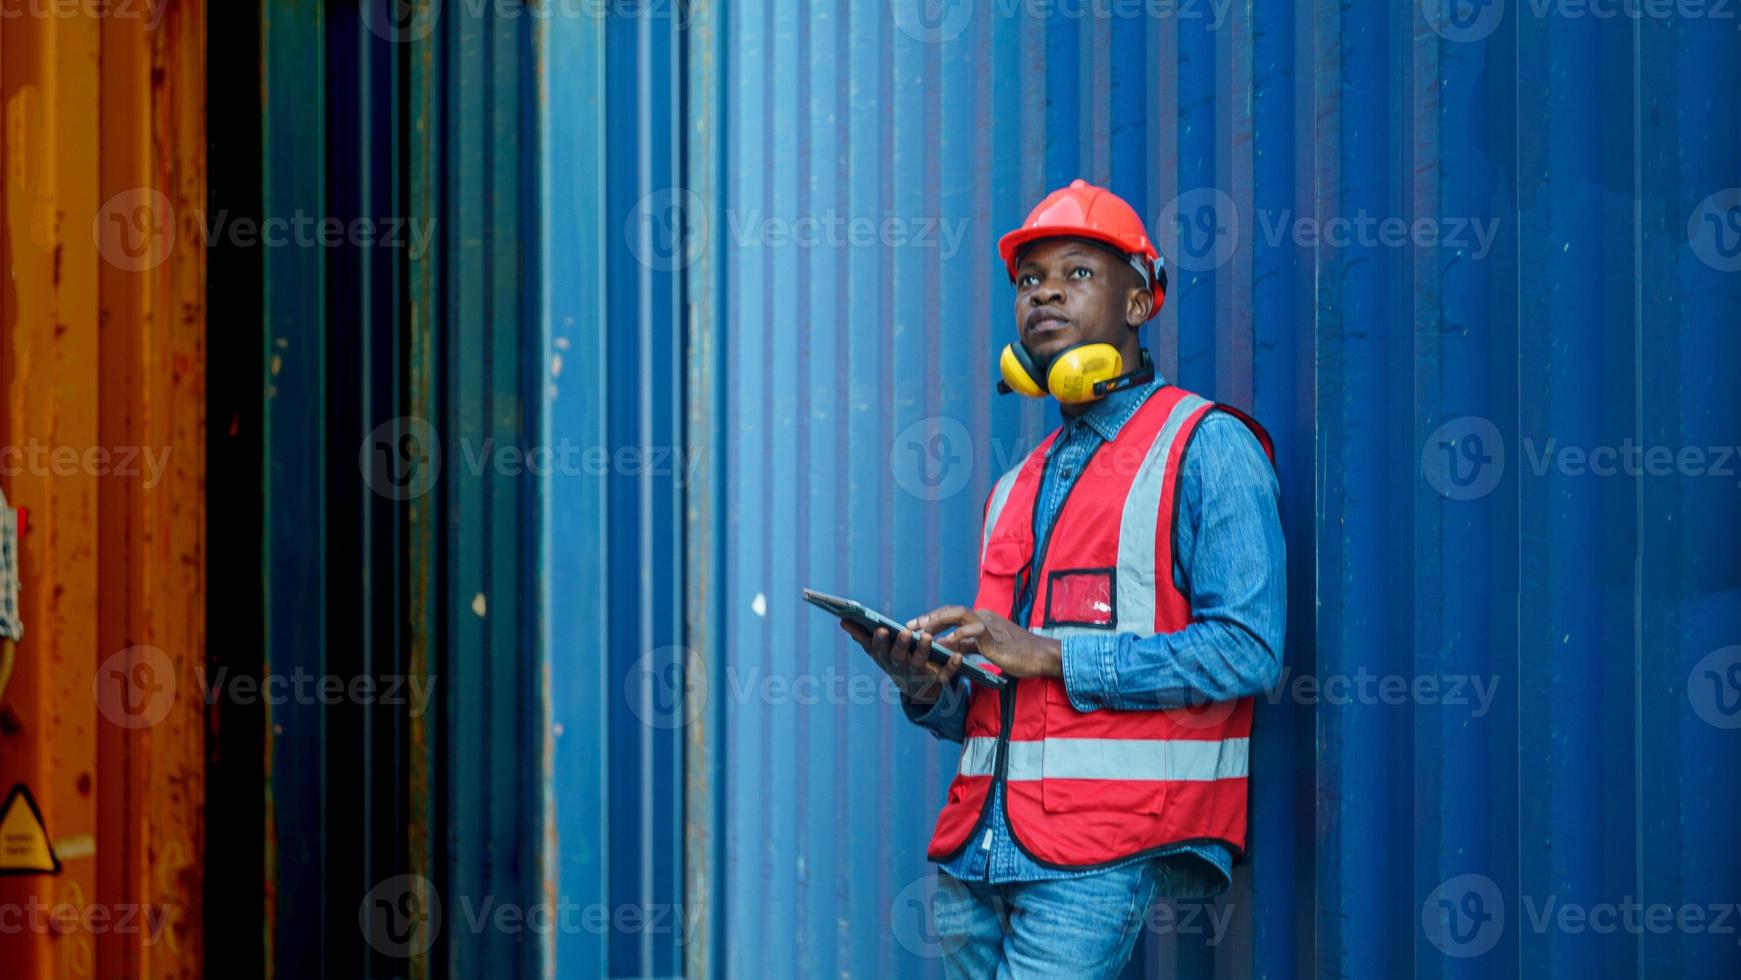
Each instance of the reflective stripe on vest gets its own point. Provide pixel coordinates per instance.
(1110, 758)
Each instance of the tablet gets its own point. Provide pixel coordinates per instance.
(973, 666)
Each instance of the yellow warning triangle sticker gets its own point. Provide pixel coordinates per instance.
(24, 846)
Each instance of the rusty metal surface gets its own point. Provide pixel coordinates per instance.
(102, 353)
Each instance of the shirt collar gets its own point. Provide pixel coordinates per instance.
(1108, 415)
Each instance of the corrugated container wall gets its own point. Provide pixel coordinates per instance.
(730, 268)
(102, 453)
(1445, 261)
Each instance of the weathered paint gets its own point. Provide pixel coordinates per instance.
(102, 345)
(432, 126)
(1585, 144)
(295, 539)
(612, 548)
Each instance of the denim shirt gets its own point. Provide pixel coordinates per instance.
(1230, 563)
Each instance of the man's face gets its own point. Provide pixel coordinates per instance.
(1070, 292)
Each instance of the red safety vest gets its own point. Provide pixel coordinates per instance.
(1087, 788)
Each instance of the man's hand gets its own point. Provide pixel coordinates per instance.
(906, 658)
(1018, 652)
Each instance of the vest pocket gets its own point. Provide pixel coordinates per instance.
(1082, 597)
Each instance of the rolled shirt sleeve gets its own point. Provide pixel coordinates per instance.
(1232, 563)
(946, 717)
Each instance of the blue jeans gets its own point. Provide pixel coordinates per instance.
(1071, 927)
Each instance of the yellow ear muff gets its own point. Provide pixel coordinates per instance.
(1073, 372)
(1014, 366)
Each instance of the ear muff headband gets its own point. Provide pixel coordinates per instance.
(1079, 373)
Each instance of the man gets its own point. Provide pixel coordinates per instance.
(1131, 586)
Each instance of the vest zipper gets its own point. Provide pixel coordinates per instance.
(1007, 701)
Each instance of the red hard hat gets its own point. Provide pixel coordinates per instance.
(1083, 210)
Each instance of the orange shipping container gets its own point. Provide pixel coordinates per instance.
(102, 365)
